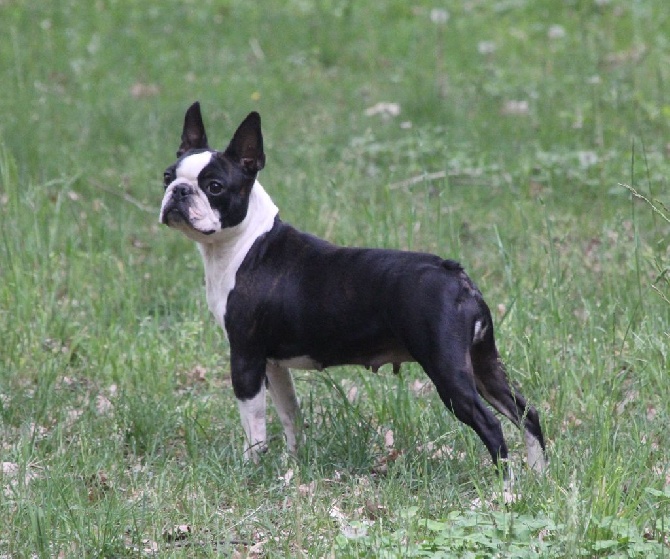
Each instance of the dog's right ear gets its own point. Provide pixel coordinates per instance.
(193, 136)
(246, 147)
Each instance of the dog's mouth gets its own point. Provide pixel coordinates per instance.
(179, 218)
(173, 216)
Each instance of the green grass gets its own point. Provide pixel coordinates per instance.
(520, 123)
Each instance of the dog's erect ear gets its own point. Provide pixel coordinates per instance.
(246, 147)
(193, 135)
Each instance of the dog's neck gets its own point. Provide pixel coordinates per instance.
(223, 255)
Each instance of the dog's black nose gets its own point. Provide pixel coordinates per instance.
(182, 190)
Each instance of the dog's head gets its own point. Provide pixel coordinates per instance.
(207, 191)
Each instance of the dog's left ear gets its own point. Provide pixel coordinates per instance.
(193, 136)
(246, 147)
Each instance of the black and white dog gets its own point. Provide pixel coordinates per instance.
(287, 299)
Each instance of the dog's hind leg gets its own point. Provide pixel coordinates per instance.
(493, 385)
(452, 375)
(282, 392)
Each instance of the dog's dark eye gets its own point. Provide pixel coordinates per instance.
(215, 188)
(167, 178)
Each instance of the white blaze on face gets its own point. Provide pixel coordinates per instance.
(190, 167)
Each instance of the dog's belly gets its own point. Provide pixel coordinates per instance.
(304, 362)
(372, 361)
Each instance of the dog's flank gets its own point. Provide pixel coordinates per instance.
(286, 298)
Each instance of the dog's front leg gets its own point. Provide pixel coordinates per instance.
(252, 413)
(282, 392)
(249, 387)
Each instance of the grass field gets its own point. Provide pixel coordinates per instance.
(523, 130)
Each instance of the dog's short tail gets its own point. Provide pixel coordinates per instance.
(481, 327)
(471, 298)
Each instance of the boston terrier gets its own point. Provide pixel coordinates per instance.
(288, 299)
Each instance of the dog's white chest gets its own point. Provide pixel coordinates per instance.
(224, 255)
(219, 282)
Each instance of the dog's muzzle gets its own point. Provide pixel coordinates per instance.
(172, 215)
(175, 204)
(186, 209)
